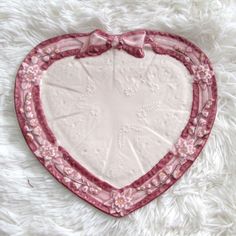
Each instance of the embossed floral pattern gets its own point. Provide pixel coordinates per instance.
(185, 147)
(85, 186)
(142, 115)
(33, 122)
(108, 199)
(203, 75)
(151, 186)
(47, 53)
(81, 184)
(30, 74)
(95, 111)
(120, 201)
(199, 128)
(185, 50)
(78, 182)
(48, 152)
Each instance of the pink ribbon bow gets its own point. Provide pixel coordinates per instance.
(99, 42)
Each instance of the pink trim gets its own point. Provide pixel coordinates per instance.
(43, 143)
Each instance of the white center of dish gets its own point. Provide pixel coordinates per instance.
(117, 115)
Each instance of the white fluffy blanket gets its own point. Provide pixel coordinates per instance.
(203, 202)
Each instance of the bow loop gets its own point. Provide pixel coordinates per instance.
(134, 39)
(132, 42)
(98, 43)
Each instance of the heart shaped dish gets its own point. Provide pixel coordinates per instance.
(117, 119)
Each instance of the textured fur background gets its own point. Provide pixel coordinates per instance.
(202, 203)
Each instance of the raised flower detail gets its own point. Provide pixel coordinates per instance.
(142, 115)
(95, 111)
(30, 74)
(189, 49)
(203, 75)
(129, 92)
(125, 129)
(48, 152)
(77, 181)
(91, 87)
(150, 186)
(120, 201)
(201, 131)
(33, 122)
(185, 147)
(82, 185)
(47, 53)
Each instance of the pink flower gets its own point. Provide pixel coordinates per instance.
(201, 131)
(30, 73)
(189, 49)
(33, 122)
(185, 147)
(120, 201)
(47, 53)
(178, 48)
(203, 75)
(48, 152)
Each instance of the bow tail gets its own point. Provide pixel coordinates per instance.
(134, 51)
(94, 50)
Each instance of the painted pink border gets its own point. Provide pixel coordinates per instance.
(106, 187)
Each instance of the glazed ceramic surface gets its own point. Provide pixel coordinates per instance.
(116, 118)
